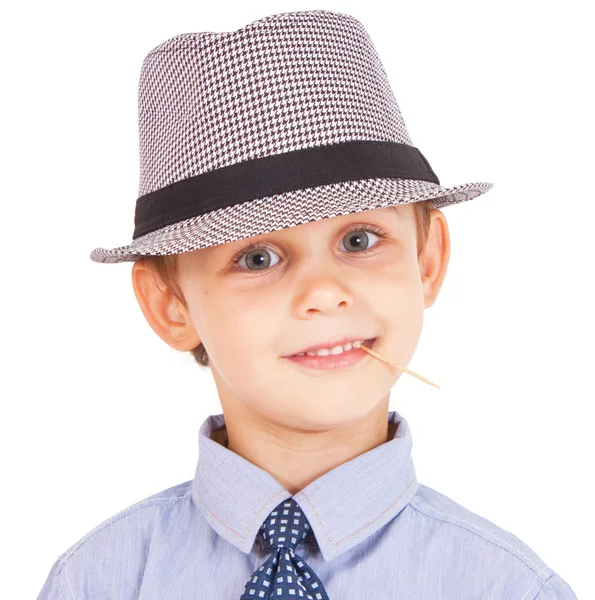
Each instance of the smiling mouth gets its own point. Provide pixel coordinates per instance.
(367, 343)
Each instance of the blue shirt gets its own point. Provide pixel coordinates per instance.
(377, 533)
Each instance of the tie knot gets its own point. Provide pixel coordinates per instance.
(285, 527)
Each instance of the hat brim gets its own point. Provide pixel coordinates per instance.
(290, 209)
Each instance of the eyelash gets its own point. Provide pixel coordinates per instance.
(263, 246)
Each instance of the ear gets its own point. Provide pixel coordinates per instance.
(433, 262)
(166, 315)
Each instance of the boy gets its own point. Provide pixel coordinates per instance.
(286, 131)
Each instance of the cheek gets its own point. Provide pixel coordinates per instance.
(234, 326)
(395, 284)
(397, 303)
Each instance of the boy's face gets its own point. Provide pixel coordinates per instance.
(308, 286)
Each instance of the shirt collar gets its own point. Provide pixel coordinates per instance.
(236, 496)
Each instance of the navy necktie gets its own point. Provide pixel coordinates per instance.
(285, 574)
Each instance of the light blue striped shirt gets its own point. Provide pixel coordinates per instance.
(378, 534)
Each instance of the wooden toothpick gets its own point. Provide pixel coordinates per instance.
(390, 362)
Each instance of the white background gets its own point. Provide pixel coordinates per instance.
(99, 413)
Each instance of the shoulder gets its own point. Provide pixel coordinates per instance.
(555, 588)
(149, 510)
(476, 540)
(123, 538)
(438, 507)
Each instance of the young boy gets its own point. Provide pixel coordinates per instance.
(283, 209)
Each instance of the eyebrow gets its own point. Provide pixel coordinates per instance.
(358, 217)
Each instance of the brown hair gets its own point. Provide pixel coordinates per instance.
(166, 267)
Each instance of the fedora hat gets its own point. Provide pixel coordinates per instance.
(287, 120)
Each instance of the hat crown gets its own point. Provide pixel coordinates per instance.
(282, 83)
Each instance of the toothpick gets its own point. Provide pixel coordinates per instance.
(390, 362)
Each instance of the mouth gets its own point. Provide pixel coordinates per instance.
(368, 343)
(332, 362)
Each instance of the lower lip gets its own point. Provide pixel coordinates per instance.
(332, 361)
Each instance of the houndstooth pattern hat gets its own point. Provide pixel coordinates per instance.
(287, 120)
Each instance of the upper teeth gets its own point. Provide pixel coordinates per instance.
(336, 350)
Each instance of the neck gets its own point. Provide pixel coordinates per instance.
(296, 458)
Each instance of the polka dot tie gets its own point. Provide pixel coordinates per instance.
(285, 574)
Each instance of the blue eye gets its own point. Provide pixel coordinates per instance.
(257, 257)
